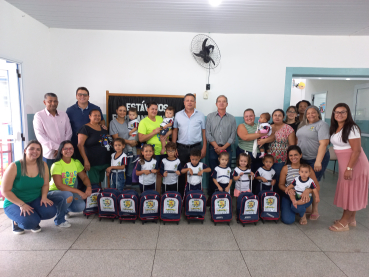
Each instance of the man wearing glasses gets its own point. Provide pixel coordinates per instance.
(79, 115)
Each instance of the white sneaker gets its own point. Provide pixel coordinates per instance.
(67, 215)
(65, 224)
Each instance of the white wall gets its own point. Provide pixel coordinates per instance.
(339, 91)
(251, 73)
(296, 93)
(26, 40)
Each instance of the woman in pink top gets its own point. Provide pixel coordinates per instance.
(353, 178)
(282, 136)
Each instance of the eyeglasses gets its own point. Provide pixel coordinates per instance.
(68, 149)
(82, 95)
(340, 113)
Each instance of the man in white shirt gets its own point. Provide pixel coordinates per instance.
(51, 128)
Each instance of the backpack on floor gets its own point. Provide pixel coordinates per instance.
(128, 205)
(91, 203)
(188, 188)
(171, 207)
(247, 208)
(195, 206)
(149, 206)
(269, 205)
(107, 204)
(221, 207)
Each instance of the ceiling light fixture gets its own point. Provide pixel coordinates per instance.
(215, 3)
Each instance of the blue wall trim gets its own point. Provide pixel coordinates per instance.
(294, 72)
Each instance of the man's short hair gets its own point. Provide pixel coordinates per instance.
(83, 88)
(49, 94)
(195, 153)
(189, 94)
(220, 97)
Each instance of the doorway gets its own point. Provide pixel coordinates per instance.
(11, 128)
(319, 100)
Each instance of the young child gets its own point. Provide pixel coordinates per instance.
(133, 134)
(166, 127)
(264, 128)
(118, 166)
(170, 168)
(222, 173)
(266, 174)
(241, 174)
(195, 169)
(299, 185)
(147, 168)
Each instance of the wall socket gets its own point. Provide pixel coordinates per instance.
(206, 94)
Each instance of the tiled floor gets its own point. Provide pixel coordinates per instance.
(94, 248)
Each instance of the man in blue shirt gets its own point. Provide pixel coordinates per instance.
(188, 133)
(78, 116)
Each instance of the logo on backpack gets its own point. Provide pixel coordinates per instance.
(270, 204)
(170, 203)
(195, 205)
(221, 206)
(150, 206)
(171, 206)
(107, 203)
(127, 204)
(94, 199)
(250, 204)
(270, 201)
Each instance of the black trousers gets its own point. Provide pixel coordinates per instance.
(184, 157)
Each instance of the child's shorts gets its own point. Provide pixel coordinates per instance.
(237, 192)
(170, 187)
(96, 174)
(147, 187)
(223, 186)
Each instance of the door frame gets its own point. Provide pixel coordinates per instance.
(357, 87)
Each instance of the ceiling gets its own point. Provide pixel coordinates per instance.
(293, 17)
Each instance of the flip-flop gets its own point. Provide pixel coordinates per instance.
(352, 223)
(334, 228)
(314, 216)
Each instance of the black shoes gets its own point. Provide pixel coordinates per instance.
(16, 229)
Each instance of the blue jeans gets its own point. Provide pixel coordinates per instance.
(60, 201)
(325, 162)
(287, 214)
(214, 162)
(33, 220)
(277, 168)
(117, 180)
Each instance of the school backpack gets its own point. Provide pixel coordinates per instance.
(128, 205)
(171, 207)
(149, 206)
(221, 207)
(247, 208)
(91, 203)
(195, 206)
(269, 205)
(107, 204)
(188, 188)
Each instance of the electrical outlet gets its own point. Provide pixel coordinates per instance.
(206, 94)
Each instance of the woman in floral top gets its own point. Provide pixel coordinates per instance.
(282, 136)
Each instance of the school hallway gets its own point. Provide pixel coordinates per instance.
(104, 248)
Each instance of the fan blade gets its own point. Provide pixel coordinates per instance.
(212, 60)
(210, 47)
(199, 55)
(204, 44)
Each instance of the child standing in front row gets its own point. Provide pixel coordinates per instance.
(172, 164)
(118, 166)
(133, 134)
(166, 127)
(195, 169)
(147, 168)
(299, 185)
(222, 173)
(266, 174)
(241, 174)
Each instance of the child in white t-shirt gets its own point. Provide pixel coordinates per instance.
(147, 168)
(241, 174)
(170, 168)
(118, 166)
(266, 174)
(166, 127)
(222, 173)
(133, 134)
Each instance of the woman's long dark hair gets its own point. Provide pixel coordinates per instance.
(39, 161)
(59, 156)
(291, 148)
(349, 123)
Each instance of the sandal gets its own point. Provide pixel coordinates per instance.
(314, 216)
(334, 228)
(352, 223)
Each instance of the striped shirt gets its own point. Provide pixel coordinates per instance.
(292, 173)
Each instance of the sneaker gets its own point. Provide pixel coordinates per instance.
(37, 229)
(65, 224)
(67, 215)
(16, 229)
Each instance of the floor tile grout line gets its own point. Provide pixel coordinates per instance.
(239, 249)
(156, 248)
(321, 250)
(70, 247)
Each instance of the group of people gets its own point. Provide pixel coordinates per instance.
(288, 156)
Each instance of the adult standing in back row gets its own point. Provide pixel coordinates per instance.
(79, 116)
(220, 133)
(188, 133)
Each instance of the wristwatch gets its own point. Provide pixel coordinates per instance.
(349, 168)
